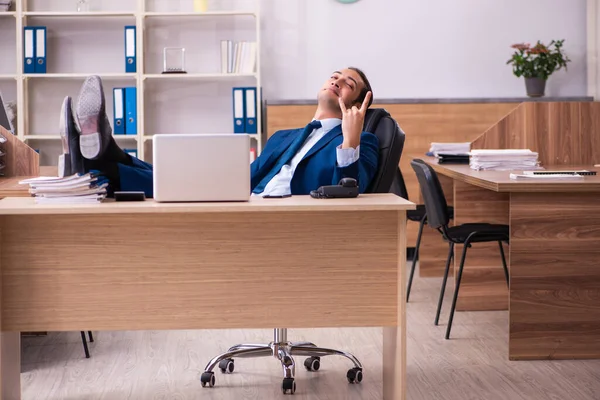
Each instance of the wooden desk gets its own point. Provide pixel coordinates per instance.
(499, 181)
(554, 257)
(128, 266)
(9, 187)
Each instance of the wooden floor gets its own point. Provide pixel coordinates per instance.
(152, 365)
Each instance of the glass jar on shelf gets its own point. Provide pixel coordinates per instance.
(83, 5)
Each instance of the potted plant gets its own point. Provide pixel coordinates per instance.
(537, 63)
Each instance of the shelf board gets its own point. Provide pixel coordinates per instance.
(197, 76)
(57, 137)
(130, 137)
(8, 13)
(79, 14)
(251, 135)
(7, 76)
(80, 75)
(199, 14)
(42, 137)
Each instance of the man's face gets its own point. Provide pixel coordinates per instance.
(346, 84)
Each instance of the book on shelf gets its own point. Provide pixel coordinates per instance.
(73, 189)
(238, 57)
(5, 5)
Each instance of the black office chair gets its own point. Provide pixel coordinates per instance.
(419, 215)
(391, 143)
(466, 234)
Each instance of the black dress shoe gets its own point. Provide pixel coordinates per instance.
(71, 161)
(96, 132)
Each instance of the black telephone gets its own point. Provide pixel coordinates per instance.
(347, 188)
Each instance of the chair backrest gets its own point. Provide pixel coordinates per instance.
(433, 194)
(391, 143)
(399, 186)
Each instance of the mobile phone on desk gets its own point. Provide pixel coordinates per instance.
(129, 196)
(276, 196)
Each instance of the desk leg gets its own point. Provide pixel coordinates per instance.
(555, 276)
(394, 338)
(10, 360)
(483, 284)
(10, 366)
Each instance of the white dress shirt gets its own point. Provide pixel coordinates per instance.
(280, 184)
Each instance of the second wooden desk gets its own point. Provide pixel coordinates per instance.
(554, 257)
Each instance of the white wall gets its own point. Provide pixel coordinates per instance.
(593, 16)
(409, 49)
(417, 48)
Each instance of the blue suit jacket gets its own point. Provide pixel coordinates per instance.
(319, 166)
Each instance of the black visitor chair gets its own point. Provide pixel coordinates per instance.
(465, 234)
(419, 215)
(84, 341)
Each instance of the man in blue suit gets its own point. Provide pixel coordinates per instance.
(294, 161)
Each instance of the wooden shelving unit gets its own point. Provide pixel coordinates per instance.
(39, 96)
(78, 14)
(78, 76)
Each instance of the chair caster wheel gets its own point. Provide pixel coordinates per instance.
(312, 363)
(354, 375)
(207, 378)
(226, 366)
(288, 386)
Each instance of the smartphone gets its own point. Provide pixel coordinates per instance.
(129, 196)
(280, 196)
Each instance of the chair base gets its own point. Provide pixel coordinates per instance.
(284, 351)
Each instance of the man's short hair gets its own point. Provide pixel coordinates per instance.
(366, 88)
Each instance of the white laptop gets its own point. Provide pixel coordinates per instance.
(201, 167)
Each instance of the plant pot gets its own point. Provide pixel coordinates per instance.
(536, 87)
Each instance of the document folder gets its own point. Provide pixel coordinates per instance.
(130, 47)
(447, 158)
(130, 111)
(29, 50)
(40, 50)
(239, 125)
(119, 110)
(250, 106)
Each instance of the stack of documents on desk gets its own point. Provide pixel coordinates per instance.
(74, 189)
(449, 148)
(503, 159)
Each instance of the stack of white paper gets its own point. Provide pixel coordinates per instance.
(449, 148)
(74, 189)
(503, 159)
